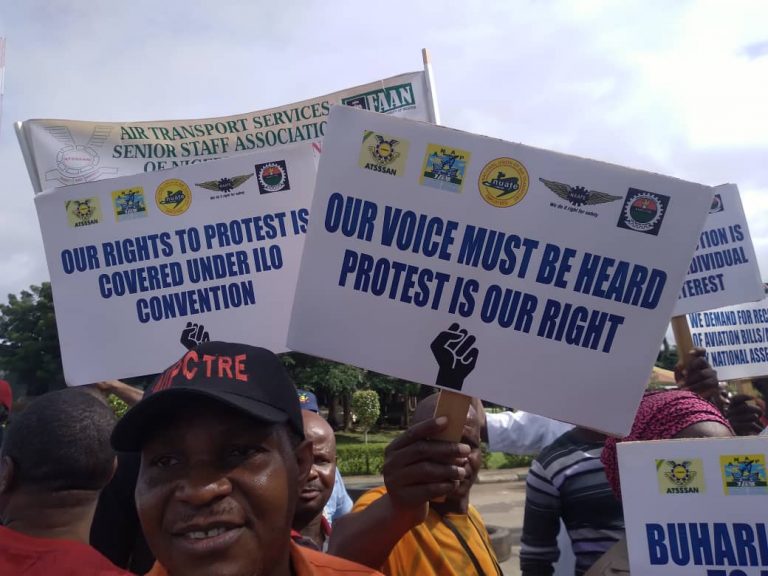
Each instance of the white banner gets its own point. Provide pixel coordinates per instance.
(696, 507)
(521, 276)
(146, 265)
(736, 339)
(724, 268)
(67, 152)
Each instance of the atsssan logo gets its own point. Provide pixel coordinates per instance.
(225, 186)
(444, 167)
(383, 153)
(680, 476)
(173, 197)
(129, 204)
(386, 100)
(717, 204)
(272, 177)
(744, 474)
(83, 212)
(503, 182)
(643, 211)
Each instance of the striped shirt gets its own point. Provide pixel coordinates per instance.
(567, 480)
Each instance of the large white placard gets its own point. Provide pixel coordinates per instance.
(145, 264)
(562, 271)
(66, 152)
(696, 507)
(736, 339)
(724, 268)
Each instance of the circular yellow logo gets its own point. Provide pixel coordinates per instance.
(173, 197)
(503, 182)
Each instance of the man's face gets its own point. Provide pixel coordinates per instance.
(317, 490)
(217, 490)
(471, 436)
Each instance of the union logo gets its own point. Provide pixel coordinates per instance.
(444, 168)
(173, 197)
(744, 474)
(272, 177)
(680, 477)
(225, 185)
(83, 212)
(643, 211)
(503, 182)
(383, 153)
(75, 162)
(129, 204)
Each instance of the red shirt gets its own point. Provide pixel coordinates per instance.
(23, 555)
(307, 562)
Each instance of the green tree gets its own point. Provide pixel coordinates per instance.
(365, 405)
(330, 380)
(29, 341)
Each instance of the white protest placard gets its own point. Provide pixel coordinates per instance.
(555, 267)
(696, 507)
(736, 339)
(724, 268)
(66, 152)
(144, 265)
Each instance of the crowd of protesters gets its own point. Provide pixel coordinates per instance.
(221, 467)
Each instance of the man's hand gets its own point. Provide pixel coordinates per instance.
(194, 335)
(743, 416)
(455, 355)
(700, 377)
(417, 470)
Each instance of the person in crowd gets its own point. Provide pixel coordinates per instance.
(339, 503)
(223, 462)
(422, 522)
(6, 401)
(662, 415)
(567, 482)
(310, 527)
(55, 460)
(116, 531)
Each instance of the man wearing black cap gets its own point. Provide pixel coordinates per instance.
(223, 459)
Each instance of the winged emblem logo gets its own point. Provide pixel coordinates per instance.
(578, 195)
(224, 184)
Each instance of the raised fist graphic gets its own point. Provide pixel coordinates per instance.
(194, 335)
(455, 355)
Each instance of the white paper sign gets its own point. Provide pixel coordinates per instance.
(696, 507)
(724, 269)
(66, 152)
(553, 265)
(736, 339)
(143, 264)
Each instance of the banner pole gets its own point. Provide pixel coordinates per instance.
(431, 96)
(683, 339)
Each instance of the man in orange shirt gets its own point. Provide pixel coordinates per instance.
(223, 461)
(422, 522)
(54, 462)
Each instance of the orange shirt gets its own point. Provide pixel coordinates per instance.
(432, 549)
(30, 556)
(306, 562)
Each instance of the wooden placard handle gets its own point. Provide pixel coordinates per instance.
(455, 406)
(683, 339)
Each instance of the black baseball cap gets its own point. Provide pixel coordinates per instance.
(249, 379)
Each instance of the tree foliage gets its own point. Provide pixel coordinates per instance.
(29, 341)
(365, 405)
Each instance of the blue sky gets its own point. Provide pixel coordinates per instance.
(679, 88)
